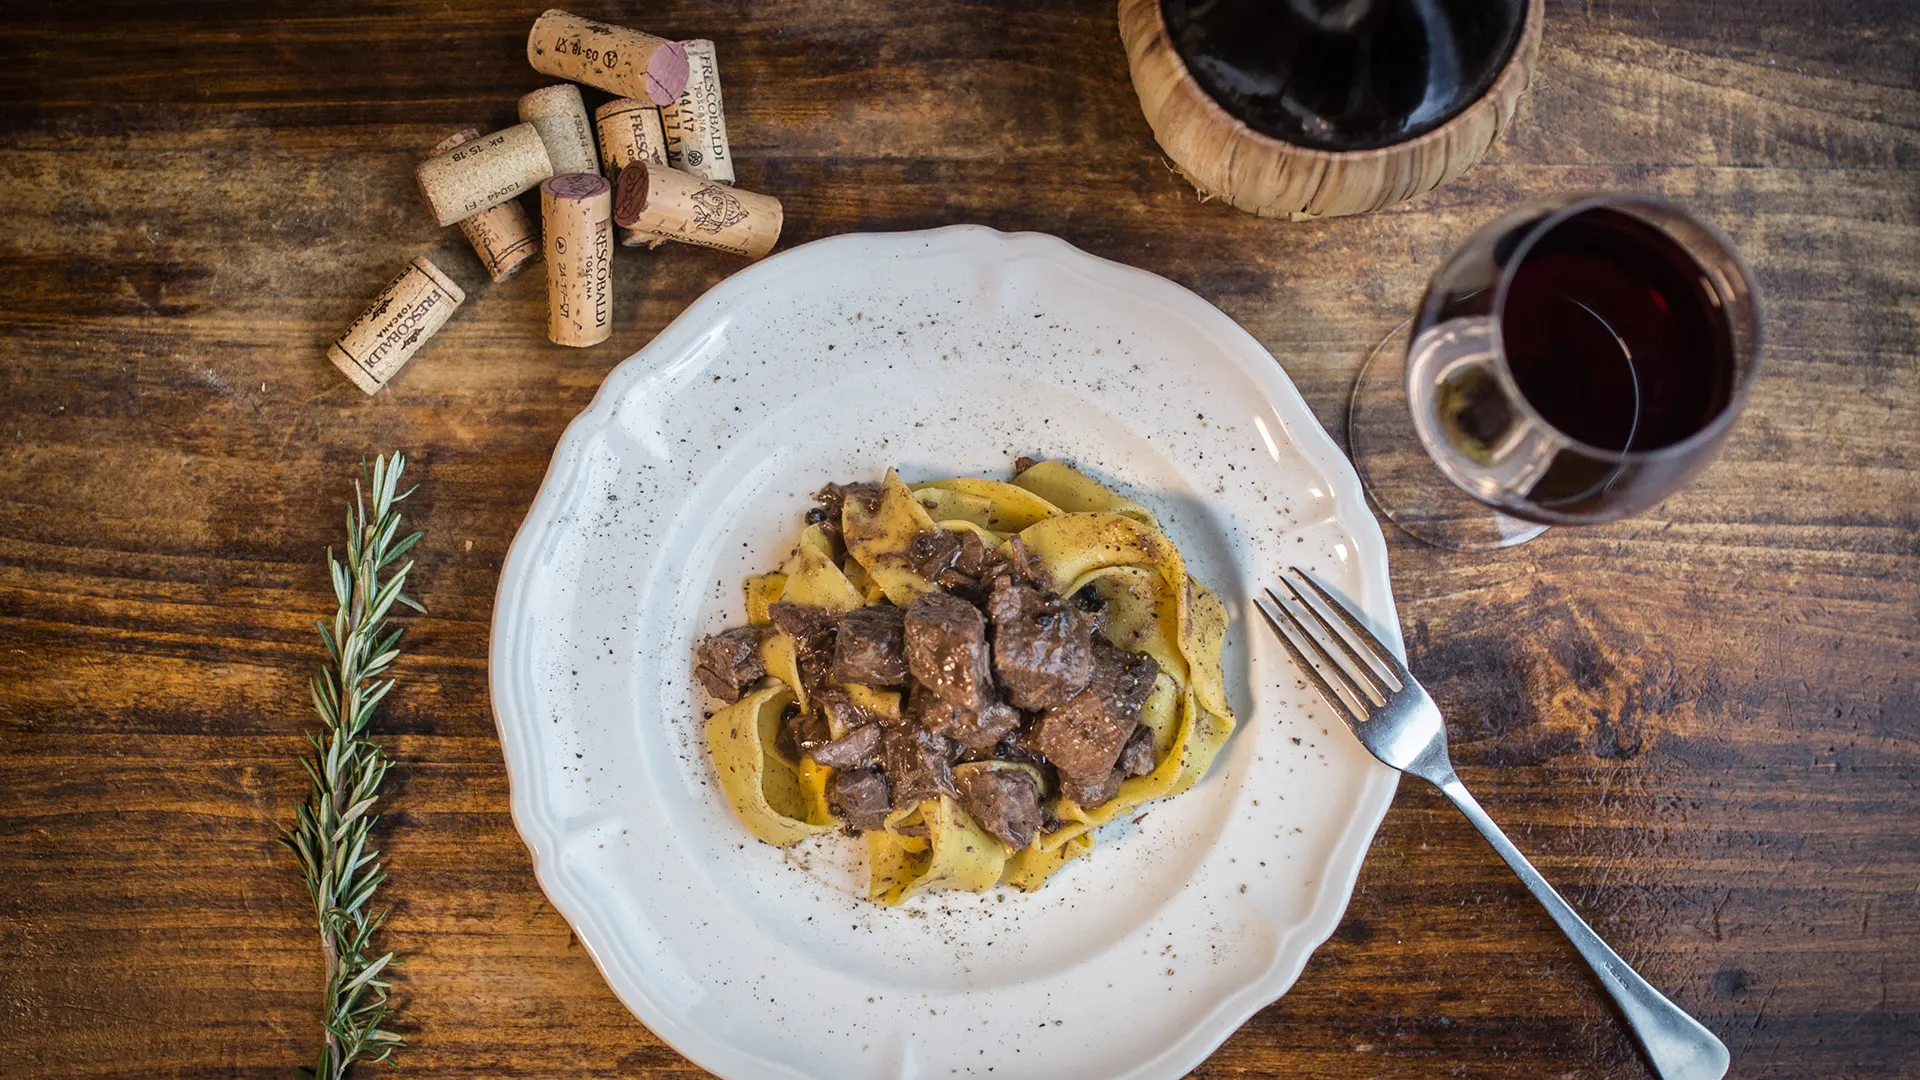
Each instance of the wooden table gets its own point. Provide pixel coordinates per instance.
(1703, 722)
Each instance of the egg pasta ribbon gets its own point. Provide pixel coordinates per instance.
(934, 845)
(761, 784)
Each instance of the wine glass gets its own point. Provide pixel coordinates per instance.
(1574, 362)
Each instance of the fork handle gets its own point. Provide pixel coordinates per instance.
(1677, 1045)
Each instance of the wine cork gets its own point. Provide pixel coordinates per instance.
(623, 62)
(696, 124)
(411, 309)
(694, 211)
(503, 236)
(577, 213)
(630, 131)
(483, 173)
(560, 117)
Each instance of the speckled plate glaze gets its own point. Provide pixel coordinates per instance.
(947, 352)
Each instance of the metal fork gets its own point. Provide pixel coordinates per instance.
(1398, 723)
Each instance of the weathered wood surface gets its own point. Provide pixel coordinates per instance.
(1703, 723)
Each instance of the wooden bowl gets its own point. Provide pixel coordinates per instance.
(1225, 158)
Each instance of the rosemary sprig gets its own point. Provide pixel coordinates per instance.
(330, 836)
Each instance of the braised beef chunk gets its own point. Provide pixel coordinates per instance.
(833, 500)
(933, 552)
(801, 732)
(1122, 679)
(728, 662)
(991, 724)
(976, 559)
(972, 730)
(811, 628)
(1093, 795)
(947, 650)
(859, 797)
(1042, 645)
(1136, 757)
(1004, 802)
(1022, 562)
(959, 562)
(812, 631)
(1083, 737)
(991, 753)
(856, 748)
(915, 761)
(870, 646)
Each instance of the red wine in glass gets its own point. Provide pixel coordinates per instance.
(1574, 362)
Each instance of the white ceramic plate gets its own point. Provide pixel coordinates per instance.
(947, 353)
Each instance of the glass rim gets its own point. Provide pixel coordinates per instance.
(1579, 203)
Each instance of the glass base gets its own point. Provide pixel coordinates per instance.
(1401, 480)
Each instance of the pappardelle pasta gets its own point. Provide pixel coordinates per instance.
(973, 674)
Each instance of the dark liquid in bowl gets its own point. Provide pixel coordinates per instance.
(1344, 74)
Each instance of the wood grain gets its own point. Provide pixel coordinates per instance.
(1703, 722)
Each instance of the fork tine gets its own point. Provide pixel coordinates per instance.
(1342, 701)
(1331, 652)
(1338, 618)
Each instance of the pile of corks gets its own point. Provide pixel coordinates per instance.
(662, 140)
